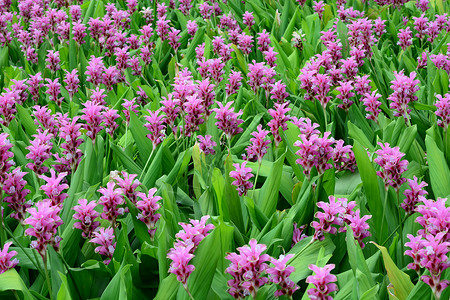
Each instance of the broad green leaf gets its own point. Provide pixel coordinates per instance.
(401, 282)
(11, 280)
(439, 171)
(268, 196)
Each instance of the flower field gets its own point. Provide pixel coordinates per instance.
(227, 149)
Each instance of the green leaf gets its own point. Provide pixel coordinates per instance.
(439, 171)
(268, 196)
(11, 280)
(117, 287)
(401, 282)
(372, 191)
(64, 292)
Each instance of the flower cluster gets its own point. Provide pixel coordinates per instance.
(6, 261)
(86, 214)
(104, 237)
(392, 165)
(322, 281)
(242, 174)
(148, 206)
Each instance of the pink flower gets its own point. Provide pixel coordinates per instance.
(331, 215)
(6, 261)
(111, 200)
(5, 156)
(278, 91)
(44, 221)
(191, 27)
(193, 233)
(321, 86)
(128, 185)
(404, 38)
(245, 43)
(148, 207)
(234, 80)
(14, 188)
(263, 41)
(298, 234)
(279, 274)
(39, 151)
(258, 145)
(434, 219)
(53, 90)
(79, 32)
(279, 120)
(315, 151)
(247, 269)
(443, 110)
(392, 165)
(372, 105)
(174, 37)
(104, 237)
(345, 89)
(322, 281)
(404, 88)
(109, 123)
(248, 19)
(86, 214)
(206, 144)
(72, 82)
(241, 175)
(194, 114)
(359, 226)
(35, 83)
(53, 187)
(343, 157)
(228, 120)
(181, 256)
(415, 194)
(95, 70)
(319, 8)
(270, 56)
(53, 60)
(92, 114)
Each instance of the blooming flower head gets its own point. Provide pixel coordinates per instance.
(404, 88)
(279, 274)
(228, 120)
(242, 174)
(181, 256)
(148, 206)
(104, 238)
(44, 221)
(5, 156)
(6, 261)
(404, 38)
(247, 269)
(93, 117)
(322, 281)
(14, 188)
(415, 194)
(111, 200)
(443, 110)
(248, 19)
(54, 187)
(52, 60)
(298, 234)
(279, 120)
(86, 215)
(206, 144)
(258, 145)
(392, 165)
(372, 105)
(155, 124)
(330, 216)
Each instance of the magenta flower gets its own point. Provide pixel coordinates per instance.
(270, 56)
(69, 132)
(322, 281)
(128, 185)
(247, 269)
(345, 89)
(195, 111)
(279, 120)
(279, 274)
(298, 234)
(6, 261)
(44, 119)
(72, 82)
(205, 91)
(234, 80)
(86, 214)
(95, 70)
(404, 38)
(228, 120)
(193, 233)
(129, 106)
(319, 8)
(111, 200)
(39, 152)
(307, 128)
(359, 226)
(206, 144)
(315, 151)
(414, 195)
(14, 188)
(109, 120)
(245, 43)
(404, 88)
(191, 27)
(5, 156)
(35, 83)
(148, 207)
(343, 157)
(258, 145)
(171, 108)
(263, 40)
(443, 110)
(53, 187)
(321, 86)
(331, 215)
(92, 114)
(181, 256)
(44, 221)
(79, 32)
(362, 85)
(248, 19)
(434, 219)
(372, 105)
(174, 37)
(241, 175)
(53, 90)
(53, 60)
(392, 165)
(104, 237)
(278, 91)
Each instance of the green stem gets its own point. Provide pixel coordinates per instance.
(384, 210)
(2, 232)
(401, 227)
(146, 164)
(47, 277)
(395, 230)
(446, 150)
(188, 292)
(256, 179)
(16, 242)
